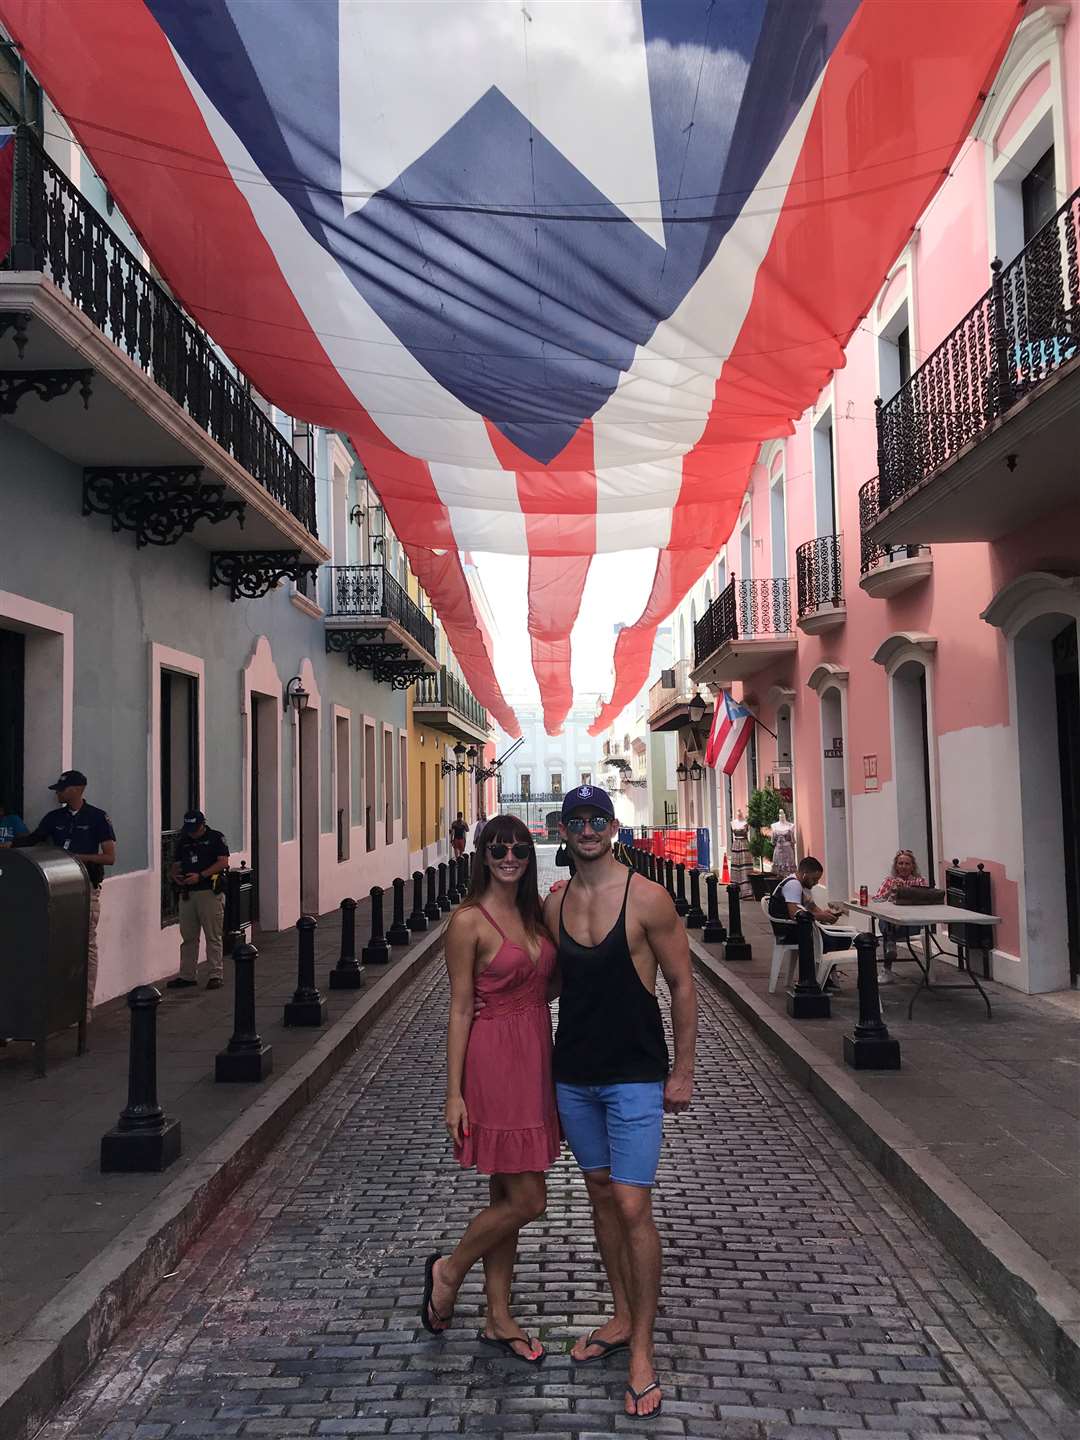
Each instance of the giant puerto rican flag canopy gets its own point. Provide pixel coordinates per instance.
(556, 268)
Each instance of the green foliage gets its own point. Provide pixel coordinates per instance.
(763, 808)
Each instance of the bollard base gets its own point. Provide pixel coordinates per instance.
(433, 913)
(681, 906)
(417, 923)
(377, 953)
(738, 950)
(244, 1065)
(398, 935)
(305, 1012)
(132, 1151)
(871, 1054)
(813, 1005)
(695, 919)
(714, 934)
(347, 977)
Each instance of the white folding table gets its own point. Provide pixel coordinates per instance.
(925, 918)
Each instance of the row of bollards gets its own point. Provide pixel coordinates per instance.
(144, 1138)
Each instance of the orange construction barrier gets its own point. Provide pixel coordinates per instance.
(725, 874)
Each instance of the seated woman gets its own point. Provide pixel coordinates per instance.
(793, 895)
(904, 872)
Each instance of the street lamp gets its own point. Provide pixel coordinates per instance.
(696, 709)
(681, 771)
(459, 756)
(299, 697)
(470, 756)
(696, 772)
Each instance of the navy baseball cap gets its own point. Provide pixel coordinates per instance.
(193, 819)
(583, 796)
(69, 777)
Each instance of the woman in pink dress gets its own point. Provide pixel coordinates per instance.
(500, 1096)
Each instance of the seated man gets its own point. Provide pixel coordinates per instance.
(793, 895)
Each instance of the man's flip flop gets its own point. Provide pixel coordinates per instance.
(607, 1347)
(639, 1395)
(427, 1308)
(508, 1346)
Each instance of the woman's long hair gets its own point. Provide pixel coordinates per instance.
(914, 863)
(508, 830)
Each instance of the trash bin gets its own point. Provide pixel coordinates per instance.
(239, 899)
(45, 902)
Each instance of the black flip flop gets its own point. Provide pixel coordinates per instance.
(607, 1347)
(427, 1308)
(508, 1346)
(638, 1395)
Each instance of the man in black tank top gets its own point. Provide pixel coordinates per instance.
(615, 930)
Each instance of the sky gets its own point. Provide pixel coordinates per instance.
(616, 591)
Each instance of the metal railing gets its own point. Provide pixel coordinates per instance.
(55, 230)
(1019, 333)
(871, 554)
(661, 695)
(371, 592)
(447, 691)
(537, 797)
(819, 574)
(746, 610)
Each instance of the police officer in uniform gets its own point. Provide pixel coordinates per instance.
(202, 856)
(86, 833)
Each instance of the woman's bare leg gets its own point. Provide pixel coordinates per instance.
(499, 1264)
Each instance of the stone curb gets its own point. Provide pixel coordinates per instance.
(45, 1359)
(1039, 1302)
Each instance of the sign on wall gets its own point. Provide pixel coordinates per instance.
(869, 772)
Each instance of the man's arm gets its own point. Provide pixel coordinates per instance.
(105, 856)
(666, 935)
(30, 837)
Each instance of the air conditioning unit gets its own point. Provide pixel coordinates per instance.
(667, 679)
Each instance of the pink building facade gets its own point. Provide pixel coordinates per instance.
(910, 632)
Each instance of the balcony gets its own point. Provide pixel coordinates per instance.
(448, 704)
(886, 570)
(820, 585)
(982, 438)
(670, 697)
(746, 629)
(102, 366)
(376, 624)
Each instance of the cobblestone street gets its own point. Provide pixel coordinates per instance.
(800, 1299)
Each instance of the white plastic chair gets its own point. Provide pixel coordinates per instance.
(825, 962)
(782, 949)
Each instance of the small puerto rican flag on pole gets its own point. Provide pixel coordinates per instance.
(729, 736)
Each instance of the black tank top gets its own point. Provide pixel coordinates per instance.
(610, 1031)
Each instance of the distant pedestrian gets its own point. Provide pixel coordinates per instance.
(10, 824)
(478, 830)
(459, 833)
(202, 857)
(87, 834)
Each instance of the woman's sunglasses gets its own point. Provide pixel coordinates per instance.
(520, 851)
(598, 822)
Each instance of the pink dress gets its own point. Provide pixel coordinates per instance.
(508, 1087)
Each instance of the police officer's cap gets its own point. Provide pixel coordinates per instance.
(69, 777)
(193, 819)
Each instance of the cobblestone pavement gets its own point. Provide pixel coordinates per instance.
(800, 1299)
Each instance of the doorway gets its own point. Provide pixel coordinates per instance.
(388, 783)
(262, 807)
(834, 794)
(12, 717)
(1067, 686)
(911, 765)
(423, 806)
(785, 765)
(371, 788)
(309, 811)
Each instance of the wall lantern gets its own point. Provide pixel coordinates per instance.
(299, 697)
(696, 772)
(697, 709)
(681, 770)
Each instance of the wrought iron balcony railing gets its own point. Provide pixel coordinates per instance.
(536, 797)
(370, 592)
(1019, 333)
(446, 690)
(746, 610)
(819, 574)
(871, 554)
(57, 232)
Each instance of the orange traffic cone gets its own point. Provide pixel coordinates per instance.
(725, 874)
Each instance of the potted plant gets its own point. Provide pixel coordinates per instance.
(762, 809)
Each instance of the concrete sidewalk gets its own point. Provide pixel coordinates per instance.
(993, 1104)
(62, 1221)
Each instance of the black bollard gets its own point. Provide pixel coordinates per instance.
(714, 932)
(431, 909)
(417, 921)
(376, 951)
(245, 1057)
(443, 897)
(463, 876)
(871, 1047)
(806, 1000)
(695, 916)
(655, 870)
(347, 974)
(736, 948)
(307, 1006)
(398, 934)
(453, 891)
(669, 877)
(143, 1138)
(681, 903)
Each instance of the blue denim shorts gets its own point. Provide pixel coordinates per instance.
(614, 1127)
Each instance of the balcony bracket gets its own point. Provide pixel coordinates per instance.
(250, 574)
(18, 321)
(160, 503)
(389, 664)
(45, 384)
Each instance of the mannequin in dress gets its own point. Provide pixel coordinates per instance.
(742, 862)
(783, 839)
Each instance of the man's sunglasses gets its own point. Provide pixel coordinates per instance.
(520, 851)
(598, 822)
